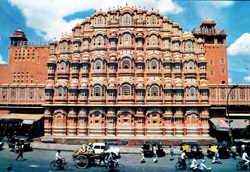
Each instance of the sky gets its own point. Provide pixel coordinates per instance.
(47, 19)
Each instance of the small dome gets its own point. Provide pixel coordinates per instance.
(139, 59)
(112, 59)
(208, 21)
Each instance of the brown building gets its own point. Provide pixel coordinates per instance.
(127, 71)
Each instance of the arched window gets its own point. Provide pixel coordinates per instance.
(192, 120)
(192, 91)
(126, 19)
(126, 64)
(154, 91)
(100, 20)
(126, 90)
(61, 66)
(99, 40)
(98, 65)
(61, 92)
(153, 20)
(97, 91)
(126, 39)
(153, 40)
(154, 64)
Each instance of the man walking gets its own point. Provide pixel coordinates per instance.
(171, 153)
(20, 148)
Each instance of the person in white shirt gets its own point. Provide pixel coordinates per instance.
(242, 149)
(142, 155)
(59, 158)
(245, 158)
(216, 156)
(203, 166)
(194, 164)
(154, 154)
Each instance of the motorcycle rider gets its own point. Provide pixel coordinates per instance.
(183, 159)
(245, 157)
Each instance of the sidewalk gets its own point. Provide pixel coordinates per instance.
(130, 149)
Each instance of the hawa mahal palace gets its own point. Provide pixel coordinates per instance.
(124, 72)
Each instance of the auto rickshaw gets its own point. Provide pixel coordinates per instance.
(193, 150)
(224, 151)
(148, 149)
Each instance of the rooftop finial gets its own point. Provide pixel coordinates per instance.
(126, 3)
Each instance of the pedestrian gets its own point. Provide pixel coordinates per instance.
(142, 155)
(171, 153)
(233, 149)
(20, 148)
(216, 156)
(154, 153)
(10, 169)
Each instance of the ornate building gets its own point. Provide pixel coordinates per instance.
(133, 72)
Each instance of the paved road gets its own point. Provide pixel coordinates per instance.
(39, 160)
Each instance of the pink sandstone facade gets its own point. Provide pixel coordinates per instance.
(125, 72)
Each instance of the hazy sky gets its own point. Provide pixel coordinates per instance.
(47, 19)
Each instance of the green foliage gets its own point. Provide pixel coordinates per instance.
(246, 132)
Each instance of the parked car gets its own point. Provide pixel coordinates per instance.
(224, 151)
(193, 150)
(102, 147)
(148, 149)
(18, 140)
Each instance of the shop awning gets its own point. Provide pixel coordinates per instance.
(239, 123)
(219, 124)
(15, 116)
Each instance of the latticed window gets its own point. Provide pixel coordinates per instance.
(60, 92)
(152, 20)
(192, 92)
(126, 39)
(13, 94)
(126, 64)
(99, 41)
(125, 90)
(22, 94)
(126, 19)
(98, 64)
(154, 91)
(97, 91)
(154, 64)
(62, 66)
(100, 20)
(153, 40)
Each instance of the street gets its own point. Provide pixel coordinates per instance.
(39, 160)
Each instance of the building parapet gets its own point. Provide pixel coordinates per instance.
(30, 44)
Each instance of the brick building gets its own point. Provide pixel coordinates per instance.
(127, 71)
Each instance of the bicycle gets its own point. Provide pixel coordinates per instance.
(54, 165)
(117, 167)
(180, 166)
(242, 166)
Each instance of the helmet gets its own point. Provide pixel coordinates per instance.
(90, 144)
(203, 161)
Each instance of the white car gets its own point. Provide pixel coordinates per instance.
(101, 147)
